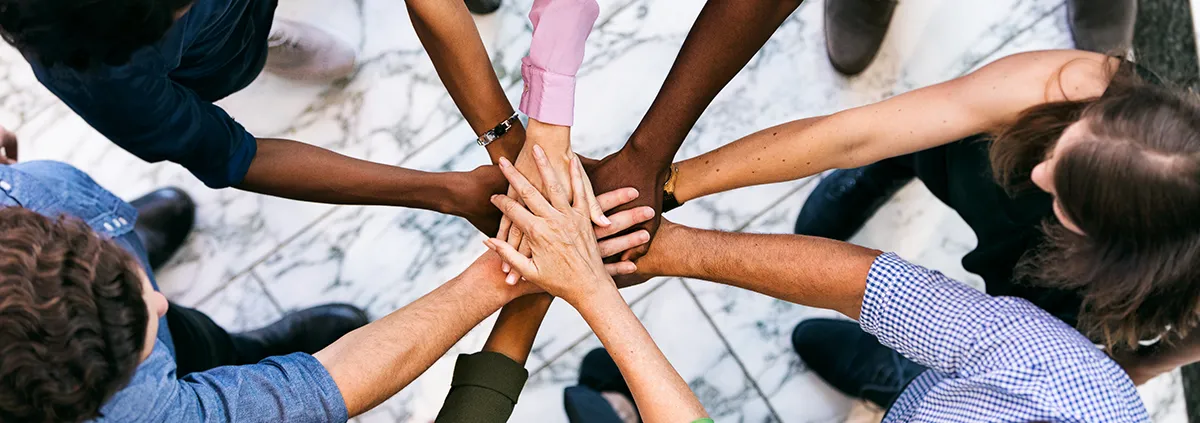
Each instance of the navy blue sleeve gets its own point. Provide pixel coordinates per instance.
(156, 119)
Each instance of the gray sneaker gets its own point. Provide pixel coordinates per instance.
(302, 52)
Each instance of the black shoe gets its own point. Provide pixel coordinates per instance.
(165, 217)
(598, 373)
(1102, 26)
(307, 331)
(483, 7)
(854, 30)
(845, 199)
(853, 361)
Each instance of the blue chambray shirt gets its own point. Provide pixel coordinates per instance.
(991, 359)
(159, 106)
(291, 388)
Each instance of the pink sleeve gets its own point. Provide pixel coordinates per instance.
(560, 29)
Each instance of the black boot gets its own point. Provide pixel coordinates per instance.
(307, 331)
(598, 375)
(1102, 26)
(483, 7)
(854, 30)
(165, 217)
(845, 199)
(853, 361)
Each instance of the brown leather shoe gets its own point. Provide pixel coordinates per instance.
(854, 30)
(1102, 26)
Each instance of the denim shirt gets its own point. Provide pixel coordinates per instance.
(291, 388)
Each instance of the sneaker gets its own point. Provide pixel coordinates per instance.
(853, 361)
(302, 52)
(602, 395)
(844, 200)
(1102, 26)
(308, 331)
(854, 30)
(165, 217)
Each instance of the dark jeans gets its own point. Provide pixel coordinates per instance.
(201, 344)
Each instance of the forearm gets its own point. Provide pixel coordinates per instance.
(781, 153)
(660, 393)
(812, 271)
(448, 33)
(376, 361)
(299, 171)
(724, 38)
(517, 326)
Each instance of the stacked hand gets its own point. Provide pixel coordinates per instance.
(625, 169)
(566, 259)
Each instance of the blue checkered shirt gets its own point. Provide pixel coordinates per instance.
(991, 359)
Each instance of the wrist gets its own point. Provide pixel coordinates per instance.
(653, 155)
(599, 289)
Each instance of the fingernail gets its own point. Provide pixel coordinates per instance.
(505, 163)
(644, 236)
(511, 279)
(604, 220)
(648, 213)
(634, 193)
(504, 267)
(537, 151)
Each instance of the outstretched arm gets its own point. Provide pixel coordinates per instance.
(984, 101)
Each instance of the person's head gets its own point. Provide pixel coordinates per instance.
(77, 316)
(1124, 173)
(83, 34)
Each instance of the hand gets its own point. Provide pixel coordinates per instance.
(528, 166)
(8, 141)
(626, 169)
(566, 260)
(473, 196)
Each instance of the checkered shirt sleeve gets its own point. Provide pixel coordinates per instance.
(991, 358)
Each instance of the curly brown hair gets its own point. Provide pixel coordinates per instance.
(72, 318)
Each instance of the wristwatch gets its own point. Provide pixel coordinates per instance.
(497, 132)
(669, 201)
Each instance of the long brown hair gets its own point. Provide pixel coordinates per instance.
(1133, 187)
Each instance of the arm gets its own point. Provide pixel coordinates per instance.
(448, 33)
(1165, 356)
(983, 101)
(567, 263)
(373, 363)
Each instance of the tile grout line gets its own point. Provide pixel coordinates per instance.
(263, 286)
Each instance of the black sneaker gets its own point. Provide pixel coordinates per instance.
(1102, 26)
(308, 331)
(483, 7)
(599, 380)
(853, 361)
(845, 199)
(165, 217)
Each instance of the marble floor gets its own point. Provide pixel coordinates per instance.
(253, 258)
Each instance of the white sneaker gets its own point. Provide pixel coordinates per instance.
(299, 51)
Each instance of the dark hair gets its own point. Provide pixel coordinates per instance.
(85, 33)
(72, 318)
(1133, 187)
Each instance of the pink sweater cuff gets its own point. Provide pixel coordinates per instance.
(549, 97)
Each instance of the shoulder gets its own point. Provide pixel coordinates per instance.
(1053, 75)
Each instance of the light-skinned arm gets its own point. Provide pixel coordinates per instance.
(566, 262)
(983, 101)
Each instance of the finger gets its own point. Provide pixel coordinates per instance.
(625, 220)
(593, 206)
(617, 197)
(514, 275)
(511, 256)
(527, 192)
(613, 246)
(577, 190)
(10, 146)
(505, 225)
(520, 217)
(556, 192)
(515, 237)
(621, 268)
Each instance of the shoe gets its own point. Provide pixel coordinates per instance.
(308, 331)
(602, 394)
(853, 361)
(854, 30)
(844, 200)
(1102, 26)
(483, 7)
(302, 52)
(165, 217)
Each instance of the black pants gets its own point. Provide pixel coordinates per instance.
(201, 344)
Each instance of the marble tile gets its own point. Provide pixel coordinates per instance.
(242, 305)
(699, 355)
